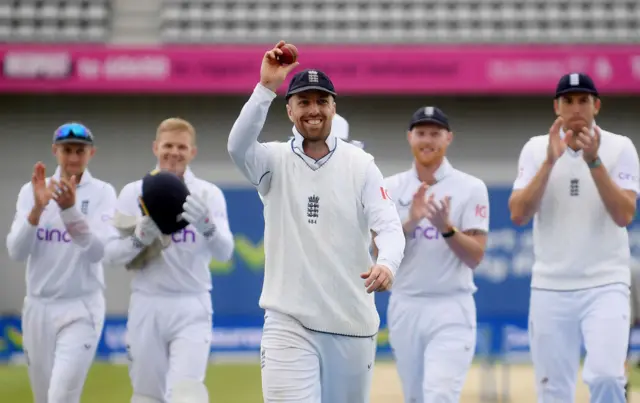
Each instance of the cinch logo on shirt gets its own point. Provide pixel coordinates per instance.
(627, 177)
(428, 233)
(184, 236)
(52, 235)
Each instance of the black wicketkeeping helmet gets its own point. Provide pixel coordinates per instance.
(163, 194)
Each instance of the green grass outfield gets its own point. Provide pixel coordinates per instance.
(108, 383)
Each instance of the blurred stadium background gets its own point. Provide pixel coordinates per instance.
(121, 66)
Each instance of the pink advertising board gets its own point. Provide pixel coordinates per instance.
(355, 70)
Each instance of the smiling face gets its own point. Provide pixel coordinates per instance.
(429, 143)
(312, 113)
(175, 145)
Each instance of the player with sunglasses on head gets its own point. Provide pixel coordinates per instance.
(59, 230)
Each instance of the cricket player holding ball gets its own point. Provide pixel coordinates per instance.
(322, 196)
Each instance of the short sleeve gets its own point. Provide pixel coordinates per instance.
(526, 167)
(390, 186)
(383, 219)
(626, 173)
(476, 213)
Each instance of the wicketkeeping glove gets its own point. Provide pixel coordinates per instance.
(197, 214)
(146, 231)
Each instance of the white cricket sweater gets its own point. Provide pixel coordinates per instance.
(317, 242)
(577, 244)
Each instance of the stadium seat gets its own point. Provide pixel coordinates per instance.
(407, 21)
(55, 21)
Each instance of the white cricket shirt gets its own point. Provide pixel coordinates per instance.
(313, 264)
(429, 266)
(577, 244)
(59, 265)
(184, 266)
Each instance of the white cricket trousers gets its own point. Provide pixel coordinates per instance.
(168, 343)
(559, 322)
(60, 338)
(433, 341)
(303, 366)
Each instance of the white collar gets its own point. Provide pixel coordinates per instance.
(86, 176)
(331, 140)
(188, 174)
(443, 170)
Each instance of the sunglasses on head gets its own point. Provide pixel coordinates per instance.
(73, 131)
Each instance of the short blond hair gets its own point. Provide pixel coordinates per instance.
(176, 125)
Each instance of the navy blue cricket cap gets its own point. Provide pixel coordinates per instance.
(163, 194)
(308, 80)
(576, 82)
(429, 114)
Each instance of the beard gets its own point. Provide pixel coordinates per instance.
(314, 136)
(431, 158)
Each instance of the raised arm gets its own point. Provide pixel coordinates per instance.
(251, 157)
(469, 245)
(32, 200)
(531, 183)
(92, 235)
(221, 243)
(22, 234)
(619, 188)
(208, 215)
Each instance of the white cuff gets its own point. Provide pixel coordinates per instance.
(71, 215)
(264, 93)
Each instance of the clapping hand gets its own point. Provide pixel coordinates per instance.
(42, 193)
(418, 209)
(64, 192)
(438, 213)
(557, 145)
(589, 144)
